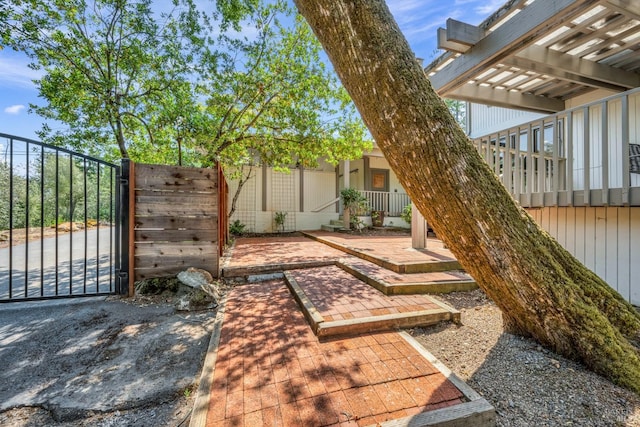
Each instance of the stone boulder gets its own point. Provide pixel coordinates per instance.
(201, 290)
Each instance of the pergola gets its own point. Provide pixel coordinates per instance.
(536, 54)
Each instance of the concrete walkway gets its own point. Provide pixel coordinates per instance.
(326, 351)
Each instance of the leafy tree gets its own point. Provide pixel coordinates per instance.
(458, 110)
(192, 90)
(272, 100)
(542, 290)
(105, 62)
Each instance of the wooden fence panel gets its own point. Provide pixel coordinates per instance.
(177, 220)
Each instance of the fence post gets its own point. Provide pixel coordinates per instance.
(123, 226)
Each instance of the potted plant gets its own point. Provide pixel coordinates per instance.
(377, 218)
(354, 203)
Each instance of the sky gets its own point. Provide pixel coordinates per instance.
(418, 20)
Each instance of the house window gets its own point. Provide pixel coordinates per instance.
(379, 180)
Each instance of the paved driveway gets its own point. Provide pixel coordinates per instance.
(36, 262)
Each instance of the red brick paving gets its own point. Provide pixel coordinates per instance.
(325, 287)
(256, 251)
(271, 370)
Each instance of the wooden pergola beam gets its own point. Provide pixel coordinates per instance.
(507, 99)
(573, 68)
(519, 31)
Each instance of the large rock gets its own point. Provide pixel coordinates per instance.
(203, 290)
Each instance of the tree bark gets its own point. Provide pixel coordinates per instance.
(542, 290)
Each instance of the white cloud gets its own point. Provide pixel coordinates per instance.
(489, 7)
(14, 71)
(14, 109)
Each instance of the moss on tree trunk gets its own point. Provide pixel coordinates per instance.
(542, 290)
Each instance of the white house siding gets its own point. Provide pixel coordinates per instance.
(319, 188)
(605, 239)
(485, 119)
(283, 195)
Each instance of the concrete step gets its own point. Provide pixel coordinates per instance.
(321, 293)
(337, 222)
(331, 227)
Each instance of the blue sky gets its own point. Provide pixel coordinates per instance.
(418, 19)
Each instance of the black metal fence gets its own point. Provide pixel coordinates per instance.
(59, 222)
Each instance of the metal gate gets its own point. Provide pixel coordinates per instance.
(60, 223)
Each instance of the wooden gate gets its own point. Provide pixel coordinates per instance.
(176, 215)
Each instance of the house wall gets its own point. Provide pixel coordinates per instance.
(394, 182)
(485, 119)
(604, 239)
(281, 192)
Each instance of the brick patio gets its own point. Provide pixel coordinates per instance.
(272, 370)
(267, 367)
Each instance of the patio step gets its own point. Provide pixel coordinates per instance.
(432, 264)
(338, 303)
(337, 222)
(391, 283)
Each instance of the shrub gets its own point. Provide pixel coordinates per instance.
(236, 228)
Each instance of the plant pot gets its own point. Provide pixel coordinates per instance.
(377, 218)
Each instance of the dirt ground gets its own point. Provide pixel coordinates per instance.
(100, 362)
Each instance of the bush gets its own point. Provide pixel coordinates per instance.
(236, 228)
(406, 214)
(353, 200)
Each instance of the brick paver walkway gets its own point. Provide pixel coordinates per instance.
(272, 370)
(337, 295)
(256, 251)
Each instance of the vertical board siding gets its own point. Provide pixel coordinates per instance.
(320, 187)
(176, 220)
(282, 195)
(615, 143)
(623, 268)
(605, 239)
(488, 119)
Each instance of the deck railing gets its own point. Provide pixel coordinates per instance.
(391, 203)
(581, 156)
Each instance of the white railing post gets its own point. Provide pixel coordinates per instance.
(586, 137)
(626, 177)
(604, 139)
(555, 166)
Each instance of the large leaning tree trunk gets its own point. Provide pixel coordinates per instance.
(542, 290)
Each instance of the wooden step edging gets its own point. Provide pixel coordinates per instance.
(322, 328)
(387, 288)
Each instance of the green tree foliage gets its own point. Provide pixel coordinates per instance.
(59, 188)
(458, 110)
(104, 63)
(242, 83)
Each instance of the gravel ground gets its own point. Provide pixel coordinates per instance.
(527, 384)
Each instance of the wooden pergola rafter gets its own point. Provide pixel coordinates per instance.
(535, 55)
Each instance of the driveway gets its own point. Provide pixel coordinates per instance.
(96, 361)
(70, 253)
